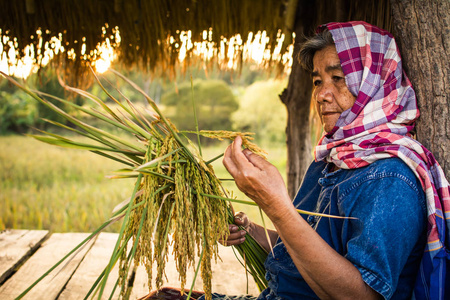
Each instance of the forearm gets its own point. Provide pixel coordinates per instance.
(329, 274)
(259, 234)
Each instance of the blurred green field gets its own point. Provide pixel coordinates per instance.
(66, 190)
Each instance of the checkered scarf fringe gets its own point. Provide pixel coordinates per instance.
(379, 126)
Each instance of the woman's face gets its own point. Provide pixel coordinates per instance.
(330, 93)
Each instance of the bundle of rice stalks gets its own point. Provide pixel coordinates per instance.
(176, 192)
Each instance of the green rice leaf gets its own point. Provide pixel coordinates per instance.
(157, 110)
(90, 96)
(151, 164)
(135, 244)
(77, 145)
(91, 112)
(90, 237)
(298, 210)
(265, 230)
(195, 117)
(122, 230)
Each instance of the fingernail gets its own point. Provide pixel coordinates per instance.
(233, 227)
(243, 232)
(247, 152)
(242, 239)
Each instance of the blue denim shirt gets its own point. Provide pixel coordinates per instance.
(386, 241)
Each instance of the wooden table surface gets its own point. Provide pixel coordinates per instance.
(27, 254)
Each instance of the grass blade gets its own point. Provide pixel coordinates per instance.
(265, 231)
(119, 123)
(117, 159)
(132, 111)
(60, 141)
(305, 212)
(195, 117)
(122, 230)
(214, 159)
(157, 110)
(95, 286)
(133, 251)
(196, 273)
(155, 161)
(103, 226)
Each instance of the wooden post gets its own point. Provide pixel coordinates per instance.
(422, 30)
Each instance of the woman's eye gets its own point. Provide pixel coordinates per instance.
(316, 82)
(338, 78)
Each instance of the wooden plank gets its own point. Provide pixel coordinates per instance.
(228, 277)
(15, 247)
(91, 267)
(56, 247)
(228, 274)
(94, 263)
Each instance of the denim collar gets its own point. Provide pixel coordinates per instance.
(328, 177)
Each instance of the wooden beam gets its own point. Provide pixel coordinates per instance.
(56, 247)
(76, 278)
(16, 246)
(97, 259)
(91, 267)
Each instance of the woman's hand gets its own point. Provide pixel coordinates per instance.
(236, 236)
(258, 179)
(258, 233)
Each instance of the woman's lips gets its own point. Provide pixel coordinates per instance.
(326, 113)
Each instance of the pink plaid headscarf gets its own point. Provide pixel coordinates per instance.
(379, 126)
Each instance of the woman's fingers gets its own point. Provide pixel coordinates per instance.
(228, 161)
(232, 242)
(256, 160)
(235, 237)
(237, 154)
(241, 219)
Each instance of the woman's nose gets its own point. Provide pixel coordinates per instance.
(324, 93)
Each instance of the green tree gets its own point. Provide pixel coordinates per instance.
(214, 101)
(260, 111)
(18, 112)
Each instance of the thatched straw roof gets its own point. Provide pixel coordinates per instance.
(153, 34)
(150, 31)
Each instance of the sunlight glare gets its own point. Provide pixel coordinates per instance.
(101, 65)
(22, 66)
(228, 52)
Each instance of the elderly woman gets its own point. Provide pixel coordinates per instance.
(368, 167)
(392, 241)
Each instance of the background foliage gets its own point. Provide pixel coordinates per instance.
(17, 112)
(260, 112)
(214, 101)
(47, 187)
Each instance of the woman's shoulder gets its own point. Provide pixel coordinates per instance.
(383, 176)
(390, 167)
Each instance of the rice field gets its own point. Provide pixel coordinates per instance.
(66, 190)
